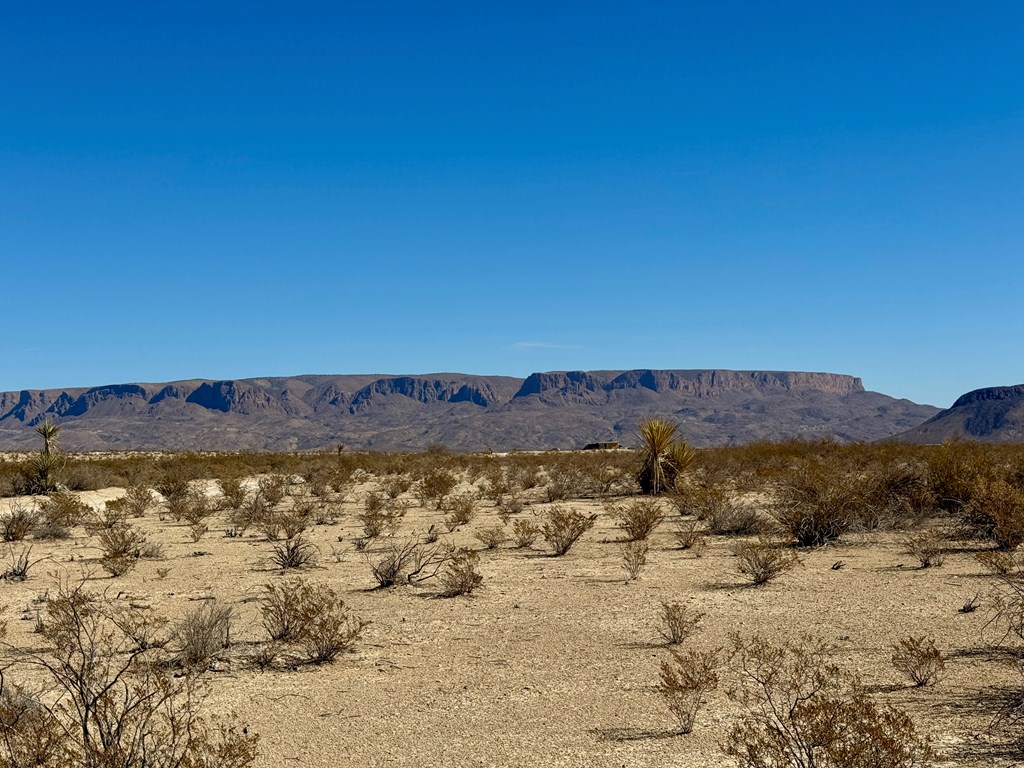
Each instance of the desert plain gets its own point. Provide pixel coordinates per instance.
(549, 661)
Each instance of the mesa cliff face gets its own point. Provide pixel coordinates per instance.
(560, 409)
(990, 415)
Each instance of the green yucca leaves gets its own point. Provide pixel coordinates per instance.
(664, 456)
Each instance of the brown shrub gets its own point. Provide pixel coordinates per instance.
(639, 518)
(762, 561)
(563, 527)
(460, 576)
(686, 681)
(801, 709)
(918, 660)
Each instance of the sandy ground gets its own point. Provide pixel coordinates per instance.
(553, 661)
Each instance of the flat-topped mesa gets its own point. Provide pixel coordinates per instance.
(1012, 393)
(698, 383)
(552, 409)
(424, 390)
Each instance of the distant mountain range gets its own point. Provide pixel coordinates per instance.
(991, 415)
(564, 409)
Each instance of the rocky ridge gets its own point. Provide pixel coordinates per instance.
(559, 409)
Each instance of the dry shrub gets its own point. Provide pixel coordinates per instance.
(714, 506)
(686, 682)
(121, 546)
(435, 487)
(202, 634)
(995, 512)
(690, 536)
(411, 562)
(1000, 563)
(19, 522)
(509, 506)
(138, 499)
(634, 558)
(462, 508)
(563, 527)
(395, 485)
(896, 494)
(678, 622)
(272, 489)
(296, 552)
(800, 709)
(763, 560)
(110, 701)
(20, 563)
(63, 510)
(460, 576)
(918, 660)
(817, 502)
(524, 533)
(639, 518)
(232, 492)
(492, 537)
(313, 616)
(927, 546)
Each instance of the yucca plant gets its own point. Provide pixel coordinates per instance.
(46, 466)
(664, 456)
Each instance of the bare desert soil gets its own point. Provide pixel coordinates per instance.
(552, 661)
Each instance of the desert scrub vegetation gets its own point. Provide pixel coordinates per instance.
(110, 700)
(461, 575)
(563, 526)
(311, 617)
(918, 660)
(411, 562)
(638, 518)
(678, 622)
(763, 560)
(800, 709)
(685, 683)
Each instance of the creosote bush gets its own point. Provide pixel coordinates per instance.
(492, 537)
(678, 622)
(524, 533)
(563, 527)
(686, 681)
(917, 659)
(111, 701)
(802, 710)
(634, 558)
(638, 518)
(460, 576)
(202, 634)
(927, 546)
(763, 560)
(310, 616)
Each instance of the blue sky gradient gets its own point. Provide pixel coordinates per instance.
(248, 189)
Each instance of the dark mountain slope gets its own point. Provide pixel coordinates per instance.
(991, 415)
(559, 409)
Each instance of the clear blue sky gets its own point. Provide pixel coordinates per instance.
(243, 189)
